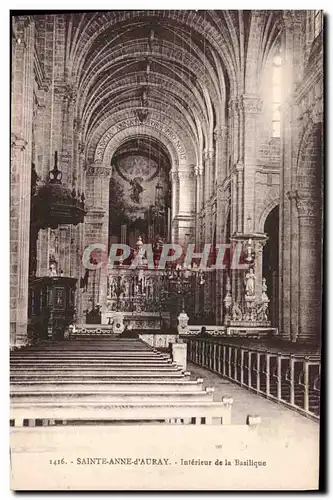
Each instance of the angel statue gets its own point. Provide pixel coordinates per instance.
(136, 189)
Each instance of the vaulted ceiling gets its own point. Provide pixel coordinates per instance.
(181, 66)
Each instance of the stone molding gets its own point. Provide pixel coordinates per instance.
(98, 171)
(18, 142)
(162, 127)
(65, 91)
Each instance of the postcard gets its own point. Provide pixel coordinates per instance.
(166, 227)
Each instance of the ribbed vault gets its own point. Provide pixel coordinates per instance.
(182, 66)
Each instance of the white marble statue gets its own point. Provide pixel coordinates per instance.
(53, 270)
(250, 282)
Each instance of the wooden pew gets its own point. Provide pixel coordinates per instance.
(119, 385)
(105, 396)
(181, 412)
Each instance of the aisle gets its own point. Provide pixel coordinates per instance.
(278, 422)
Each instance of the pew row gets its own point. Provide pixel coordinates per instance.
(104, 396)
(91, 411)
(119, 385)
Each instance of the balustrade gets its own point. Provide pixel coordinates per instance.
(292, 379)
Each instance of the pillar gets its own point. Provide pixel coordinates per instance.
(288, 265)
(309, 267)
(21, 142)
(294, 269)
(96, 230)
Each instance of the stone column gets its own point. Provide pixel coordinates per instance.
(186, 204)
(197, 174)
(221, 144)
(174, 178)
(209, 160)
(96, 228)
(310, 290)
(294, 269)
(258, 249)
(220, 222)
(21, 142)
(234, 131)
(69, 136)
(221, 156)
(250, 107)
(288, 264)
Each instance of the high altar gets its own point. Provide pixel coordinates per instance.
(136, 298)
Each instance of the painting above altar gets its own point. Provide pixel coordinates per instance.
(139, 199)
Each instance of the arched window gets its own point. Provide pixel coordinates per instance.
(276, 96)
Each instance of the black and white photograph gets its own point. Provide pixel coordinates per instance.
(166, 249)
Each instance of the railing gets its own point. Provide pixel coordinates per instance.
(291, 379)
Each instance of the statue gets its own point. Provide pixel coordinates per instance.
(236, 312)
(264, 297)
(249, 250)
(228, 299)
(136, 189)
(112, 292)
(53, 270)
(140, 253)
(262, 312)
(250, 282)
(126, 288)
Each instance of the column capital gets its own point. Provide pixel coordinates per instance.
(198, 170)
(174, 175)
(292, 18)
(184, 174)
(250, 104)
(65, 91)
(77, 125)
(232, 105)
(292, 195)
(208, 154)
(307, 206)
(18, 142)
(220, 133)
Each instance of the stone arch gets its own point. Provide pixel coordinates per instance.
(183, 139)
(309, 161)
(271, 259)
(110, 142)
(265, 213)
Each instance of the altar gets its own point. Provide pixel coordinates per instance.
(136, 299)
